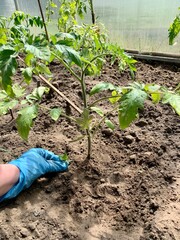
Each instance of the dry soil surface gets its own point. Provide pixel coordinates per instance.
(128, 191)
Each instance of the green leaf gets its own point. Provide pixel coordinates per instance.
(174, 30)
(8, 66)
(37, 94)
(174, 100)
(3, 37)
(41, 52)
(115, 97)
(6, 105)
(53, 5)
(18, 90)
(98, 111)
(109, 124)
(42, 68)
(70, 54)
(3, 95)
(25, 120)
(152, 88)
(64, 157)
(55, 113)
(29, 59)
(156, 97)
(85, 119)
(154, 91)
(27, 74)
(130, 103)
(101, 87)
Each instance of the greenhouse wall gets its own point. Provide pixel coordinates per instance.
(140, 25)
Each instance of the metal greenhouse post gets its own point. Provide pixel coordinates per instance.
(16, 5)
(43, 18)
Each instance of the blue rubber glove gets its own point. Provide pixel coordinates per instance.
(33, 164)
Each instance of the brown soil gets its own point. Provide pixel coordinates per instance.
(128, 191)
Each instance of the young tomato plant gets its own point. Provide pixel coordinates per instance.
(82, 51)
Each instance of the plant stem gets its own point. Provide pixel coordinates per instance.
(11, 112)
(92, 11)
(43, 18)
(88, 133)
(102, 99)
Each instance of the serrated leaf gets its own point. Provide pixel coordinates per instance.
(3, 37)
(36, 95)
(53, 5)
(109, 124)
(55, 113)
(174, 30)
(41, 91)
(173, 100)
(8, 66)
(85, 119)
(25, 120)
(18, 90)
(98, 111)
(70, 54)
(130, 103)
(152, 88)
(29, 58)
(101, 87)
(156, 97)
(155, 91)
(27, 74)
(64, 157)
(115, 97)
(5, 106)
(3, 95)
(24, 102)
(42, 68)
(41, 52)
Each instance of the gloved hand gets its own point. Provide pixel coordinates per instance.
(33, 164)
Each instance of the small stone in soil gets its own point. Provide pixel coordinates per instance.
(128, 139)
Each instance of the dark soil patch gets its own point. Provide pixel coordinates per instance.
(128, 191)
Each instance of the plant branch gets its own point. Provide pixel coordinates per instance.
(101, 99)
(92, 60)
(102, 120)
(62, 113)
(66, 65)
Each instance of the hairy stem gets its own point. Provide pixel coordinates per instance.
(88, 133)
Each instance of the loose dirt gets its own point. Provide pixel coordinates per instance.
(128, 191)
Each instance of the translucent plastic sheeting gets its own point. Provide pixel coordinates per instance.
(140, 25)
(7, 7)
